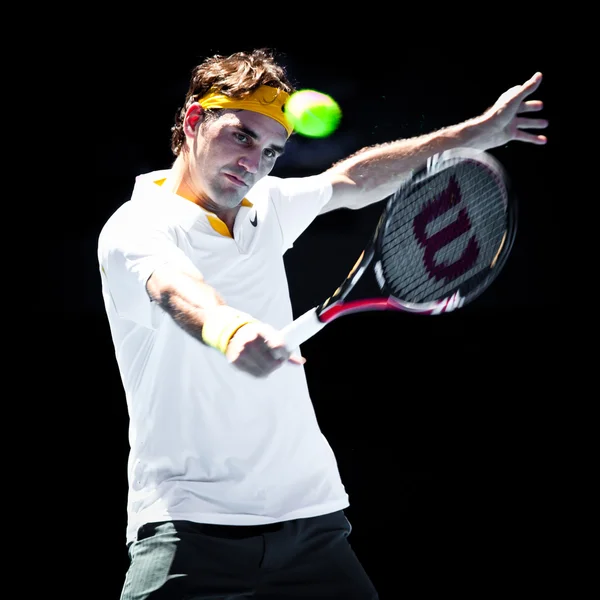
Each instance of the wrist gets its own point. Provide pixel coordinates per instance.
(473, 133)
(221, 323)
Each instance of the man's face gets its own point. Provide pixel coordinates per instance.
(231, 153)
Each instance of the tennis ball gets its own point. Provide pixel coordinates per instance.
(313, 113)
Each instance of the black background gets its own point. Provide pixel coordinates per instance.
(447, 442)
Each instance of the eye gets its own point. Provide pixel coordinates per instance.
(269, 153)
(241, 137)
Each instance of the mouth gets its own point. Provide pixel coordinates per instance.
(235, 180)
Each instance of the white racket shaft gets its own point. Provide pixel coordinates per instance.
(302, 328)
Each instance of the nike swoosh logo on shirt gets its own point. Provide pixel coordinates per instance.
(255, 220)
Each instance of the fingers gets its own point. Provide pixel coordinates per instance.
(251, 365)
(280, 352)
(261, 360)
(530, 138)
(515, 96)
(501, 122)
(518, 93)
(530, 85)
(531, 106)
(523, 123)
(259, 350)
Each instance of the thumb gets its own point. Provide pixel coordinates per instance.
(297, 360)
(282, 353)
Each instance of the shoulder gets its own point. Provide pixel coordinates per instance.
(134, 214)
(273, 187)
(150, 207)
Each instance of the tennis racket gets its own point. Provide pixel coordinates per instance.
(442, 239)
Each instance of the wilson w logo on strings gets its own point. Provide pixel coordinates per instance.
(432, 244)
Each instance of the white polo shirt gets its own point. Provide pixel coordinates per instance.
(209, 443)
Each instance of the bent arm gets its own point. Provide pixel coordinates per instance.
(250, 345)
(184, 295)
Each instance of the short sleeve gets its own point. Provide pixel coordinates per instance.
(130, 248)
(297, 202)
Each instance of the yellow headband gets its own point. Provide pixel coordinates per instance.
(266, 100)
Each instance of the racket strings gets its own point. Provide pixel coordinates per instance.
(444, 233)
(395, 238)
(489, 218)
(428, 281)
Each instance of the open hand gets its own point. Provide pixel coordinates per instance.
(503, 121)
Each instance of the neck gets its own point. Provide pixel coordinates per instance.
(178, 182)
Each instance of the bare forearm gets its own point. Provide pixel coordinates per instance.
(186, 297)
(251, 346)
(375, 172)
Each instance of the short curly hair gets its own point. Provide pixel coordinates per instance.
(236, 75)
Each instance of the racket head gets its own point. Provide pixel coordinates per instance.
(446, 233)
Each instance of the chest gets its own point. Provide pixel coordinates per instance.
(246, 269)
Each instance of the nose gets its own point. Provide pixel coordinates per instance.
(250, 162)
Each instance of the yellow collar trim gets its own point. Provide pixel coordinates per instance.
(217, 224)
(266, 100)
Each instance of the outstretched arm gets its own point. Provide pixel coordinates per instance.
(375, 172)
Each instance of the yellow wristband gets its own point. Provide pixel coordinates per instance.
(220, 325)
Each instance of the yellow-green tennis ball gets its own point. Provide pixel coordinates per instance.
(313, 113)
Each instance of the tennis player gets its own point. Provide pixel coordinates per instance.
(233, 490)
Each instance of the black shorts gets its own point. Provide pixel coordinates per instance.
(303, 558)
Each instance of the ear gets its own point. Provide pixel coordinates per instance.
(193, 117)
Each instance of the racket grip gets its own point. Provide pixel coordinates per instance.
(302, 328)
